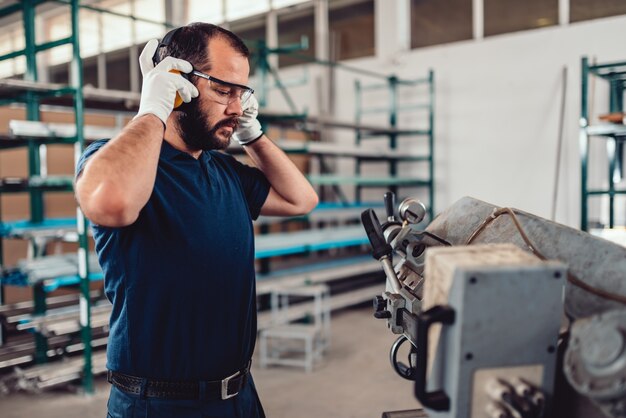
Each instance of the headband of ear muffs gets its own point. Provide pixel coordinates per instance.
(165, 42)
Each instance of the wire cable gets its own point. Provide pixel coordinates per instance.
(570, 277)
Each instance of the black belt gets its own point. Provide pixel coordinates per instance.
(182, 389)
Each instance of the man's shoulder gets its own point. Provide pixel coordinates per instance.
(95, 146)
(88, 152)
(98, 143)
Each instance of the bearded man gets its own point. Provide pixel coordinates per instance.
(172, 222)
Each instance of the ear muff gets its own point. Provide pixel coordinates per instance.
(164, 43)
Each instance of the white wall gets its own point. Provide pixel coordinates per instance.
(497, 112)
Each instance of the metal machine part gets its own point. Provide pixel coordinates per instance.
(405, 280)
(515, 392)
(412, 211)
(595, 360)
(404, 371)
(598, 263)
(595, 293)
(495, 293)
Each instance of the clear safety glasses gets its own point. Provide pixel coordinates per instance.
(224, 92)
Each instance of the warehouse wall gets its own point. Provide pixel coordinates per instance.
(497, 116)
(497, 111)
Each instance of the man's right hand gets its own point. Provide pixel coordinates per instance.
(160, 86)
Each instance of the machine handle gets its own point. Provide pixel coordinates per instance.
(390, 204)
(380, 247)
(437, 400)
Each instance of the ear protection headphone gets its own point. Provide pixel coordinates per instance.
(164, 43)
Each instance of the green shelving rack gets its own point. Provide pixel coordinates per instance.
(393, 110)
(31, 93)
(614, 74)
(392, 84)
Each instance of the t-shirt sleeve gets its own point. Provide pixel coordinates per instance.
(89, 151)
(255, 185)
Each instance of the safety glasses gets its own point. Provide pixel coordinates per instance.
(224, 92)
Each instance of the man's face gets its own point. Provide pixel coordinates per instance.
(205, 124)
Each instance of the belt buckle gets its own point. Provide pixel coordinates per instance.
(225, 394)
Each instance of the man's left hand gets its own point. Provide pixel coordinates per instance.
(249, 128)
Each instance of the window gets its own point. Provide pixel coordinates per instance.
(593, 9)
(12, 39)
(291, 28)
(59, 74)
(118, 70)
(250, 32)
(90, 71)
(352, 33)
(116, 30)
(236, 9)
(205, 11)
(58, 27)
(277, 4)
(153, 10)
(503, 16)
(436, 22)
(89, 22)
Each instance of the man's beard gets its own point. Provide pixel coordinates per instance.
(196, 131)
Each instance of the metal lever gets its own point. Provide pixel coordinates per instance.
(390, 203)
(380, 247)
(381, 250)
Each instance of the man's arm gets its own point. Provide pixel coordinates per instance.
(117, 181)
(290, 193)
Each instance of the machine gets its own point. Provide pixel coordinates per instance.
(507, 314)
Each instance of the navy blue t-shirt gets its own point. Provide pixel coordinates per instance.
(181, 278)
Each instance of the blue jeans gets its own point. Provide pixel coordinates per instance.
(126, 405)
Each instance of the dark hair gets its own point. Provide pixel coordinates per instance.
(190, 43)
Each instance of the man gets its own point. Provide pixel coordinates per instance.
(173, 230)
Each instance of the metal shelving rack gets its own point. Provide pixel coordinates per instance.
(615, 135)
(31, 93)
(392, 84)
(393, 110)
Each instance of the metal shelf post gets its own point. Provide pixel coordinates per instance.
(615, 75)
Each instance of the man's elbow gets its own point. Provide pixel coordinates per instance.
(308, 204)
(108, 209)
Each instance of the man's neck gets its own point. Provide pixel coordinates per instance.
(173, 138)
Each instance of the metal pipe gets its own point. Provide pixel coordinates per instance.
(583, 143)
(392, 278)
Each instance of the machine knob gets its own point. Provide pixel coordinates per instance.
(379, 303)
(382, 315)
(412, 211)
(380, 308)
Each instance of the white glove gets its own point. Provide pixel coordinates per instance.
(249, 127)
(160, 86)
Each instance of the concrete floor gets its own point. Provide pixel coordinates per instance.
(354, 380)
